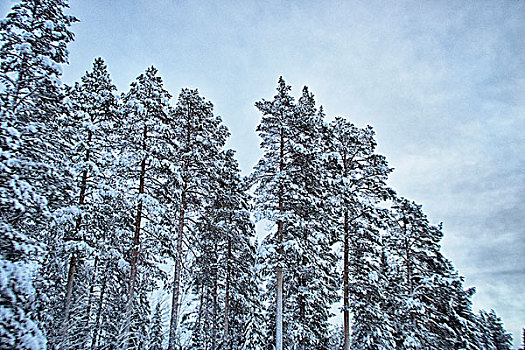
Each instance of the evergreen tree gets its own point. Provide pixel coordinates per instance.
(145, 112)
(225, 276)
(433, 309)
(314, 289)
(156, 334)
(200, 137)
(93, 132)
(35, 183)
(290, 194)
(495, 336)
(273, 188)
(359, 176)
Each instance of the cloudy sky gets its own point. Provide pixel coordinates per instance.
(442, 82)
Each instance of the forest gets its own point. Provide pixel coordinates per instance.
(126, 222)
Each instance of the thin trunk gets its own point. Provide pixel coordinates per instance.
(177, 278)
(136, 240)
(409, 269)
(100, 308)
(302, 299)
(346, 297)
(227, 295)
(90, 295)
(92, 287)
(73, 260)
(407, 257)
(138, 221)
(207, 316)
(16, 97)
(175, 304)
(215, 306)
(279, 314)
(69, 288)
(279, 272)
(199, 317)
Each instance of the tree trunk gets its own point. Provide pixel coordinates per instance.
(215, 306)
(346, 257)
(90, 295)
(73, 260)
(175, 304)
(279, 272)
(69, 288)
(227, 295)
(301, 298)
(136, 238)
(99, 311)
(92, 287)
(407, 257)
(279, 313)
(346, 300)
(138, 221)
(177, 279)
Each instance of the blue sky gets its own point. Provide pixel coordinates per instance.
(442, 82)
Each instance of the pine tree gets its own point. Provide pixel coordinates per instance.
(359, 176)
(237, 264)
(34, 183)
(145, 112)
(224, 270)
(315, 285)
(92, 132)
(433, 309)
(273, 186)
(495, 336)
(290, 194)
(156, 335)
(200, 136)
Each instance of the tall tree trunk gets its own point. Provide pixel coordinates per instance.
(279, 272)
(92, 286)
(407, 257)
(279, 313)
(90, 295)
(138, 221)
(227, 295)
(136, 240)
(215, 305)
(96, 329)
(346, 257)
(175, 303)
(346, 300)
(73, 260)
(177, 278)
(201, 310)
(69, 288)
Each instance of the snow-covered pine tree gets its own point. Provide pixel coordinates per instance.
(495, 337)
(273, 189)
(359, 177)
(290, 195)
(200, 137)
(144, 129)
(87, 245)
(314, 289)
(241, 305)
(156, 334)
(34, 183)
(225, 278)
(433, 310)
